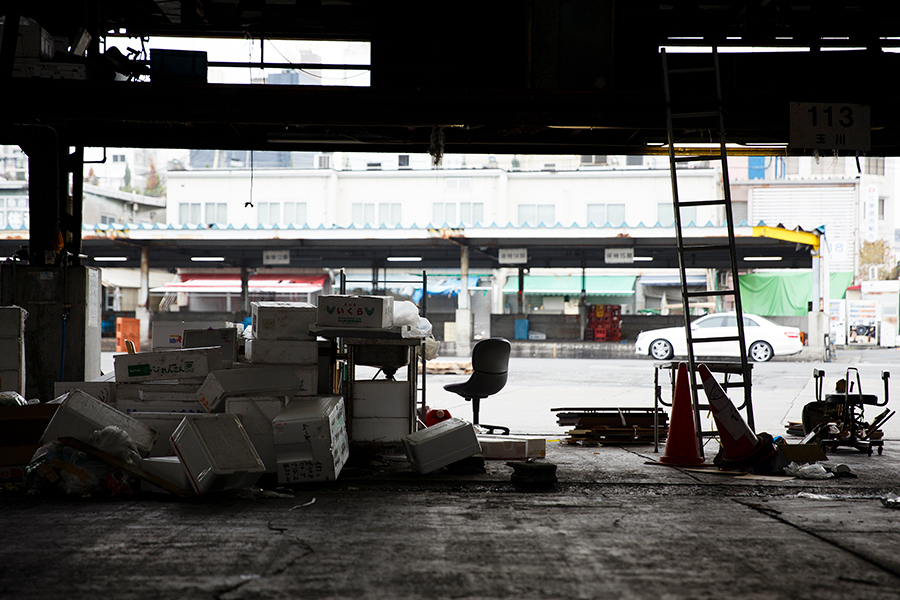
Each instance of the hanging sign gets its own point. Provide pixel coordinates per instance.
(823, 126)
(513, 256)
(618, 256)
(276, 257)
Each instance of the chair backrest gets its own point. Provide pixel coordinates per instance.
(491, 356)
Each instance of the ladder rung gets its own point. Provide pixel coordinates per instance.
(709, 433)
(684, 159)
(709, 248)
(696, 115)
(692, 70)
(724, 338)
(702, 293)
(703, 202)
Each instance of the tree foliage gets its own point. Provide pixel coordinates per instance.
(877, 254)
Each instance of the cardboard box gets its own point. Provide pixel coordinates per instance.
(356, 311)
(165, 424)
(379, 430)
(104, 391)
(225, 337)
(256, 415)
(282, 352)
(171, 365)
(437, 446)
(512, 447)
(169, 335)
(168, 468)
(282, 320)
(216, 453)
(311, 440)
(256, 381)
(12, 322)
(381, 398)
(79, 415)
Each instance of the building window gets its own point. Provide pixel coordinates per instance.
(458, 183)
(462, 213)
(536, 214)
(881, 203)
(269, 213)
(600, 214)
(389, 213)
(216, 213)
(295, 213)
(118, 158)
(324, 161)
(634, 161)
(594, 159)
(403, 161)
(189, 213)
(875, 165)
(828, 165)
(792, 165)
(665, 214)
(373, 166)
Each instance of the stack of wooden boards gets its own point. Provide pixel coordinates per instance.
(595, 426)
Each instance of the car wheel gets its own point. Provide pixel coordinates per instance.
(761, 352)
(661, 350)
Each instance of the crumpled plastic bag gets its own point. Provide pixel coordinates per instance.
(889, 502)
(12, 399)
(811, 471)
(432, 348)
(56, 467)
(405, 313)
(115, 442)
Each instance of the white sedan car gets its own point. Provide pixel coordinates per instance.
(764, 338)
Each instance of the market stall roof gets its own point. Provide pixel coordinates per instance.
(222, 284)
(558, 285)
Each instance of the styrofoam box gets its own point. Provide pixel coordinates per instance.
(12, 381)
(33, 41)
(282, 352)
(226, 337)
(12, 322)
(437, 446)
(282, 320)
(169, 335)
(154, 390)
(79, 415)
(165, 424)
(311, 440)
(309, 380)
(256, 381)
(165, 467)
(381, 398)
(356, 311)
(384, 430)
(512, 446)
(104, 391)
(217, 453)
(132, 405)
(256, 414)
(174, 364)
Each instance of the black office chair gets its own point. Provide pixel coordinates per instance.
(490, 365)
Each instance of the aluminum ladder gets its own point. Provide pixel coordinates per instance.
(710, 119)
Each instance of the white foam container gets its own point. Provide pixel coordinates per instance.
(255, 381)
(79, 415)
(192, 363)
(282, 352)
(224, 337)
(282, 320)
(105, 391)
(256, 415)
(217, 453)
(356, 311)
(311, 439)
(164, 423)
(512, 447)
(381, 398)
(164, 467)
(379, 430)
(437, 446)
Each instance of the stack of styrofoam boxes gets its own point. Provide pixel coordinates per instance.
(381, 411)
(281, 336)
(12, 349)
(225, 337)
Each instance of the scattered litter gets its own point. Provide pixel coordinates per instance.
(254, 493)
(12, 399)
(891, 502)
(313, 501)
(811, 496)
(813, 471)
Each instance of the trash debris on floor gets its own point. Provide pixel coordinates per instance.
(595, 426)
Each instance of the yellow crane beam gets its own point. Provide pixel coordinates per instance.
(788, 235)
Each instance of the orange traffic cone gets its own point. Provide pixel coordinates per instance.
(740, 446)
(681, 443)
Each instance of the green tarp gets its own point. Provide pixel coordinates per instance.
(785, 294)
(552, 285)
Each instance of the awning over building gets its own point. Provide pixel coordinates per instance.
(670, 280)
(231, 284)
(785, 294)
(554, 285)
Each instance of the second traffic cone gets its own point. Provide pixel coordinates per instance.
(682, 449)
(740, 446)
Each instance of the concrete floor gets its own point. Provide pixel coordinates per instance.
(612, 527)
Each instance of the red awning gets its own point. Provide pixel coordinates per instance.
(214, 283)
